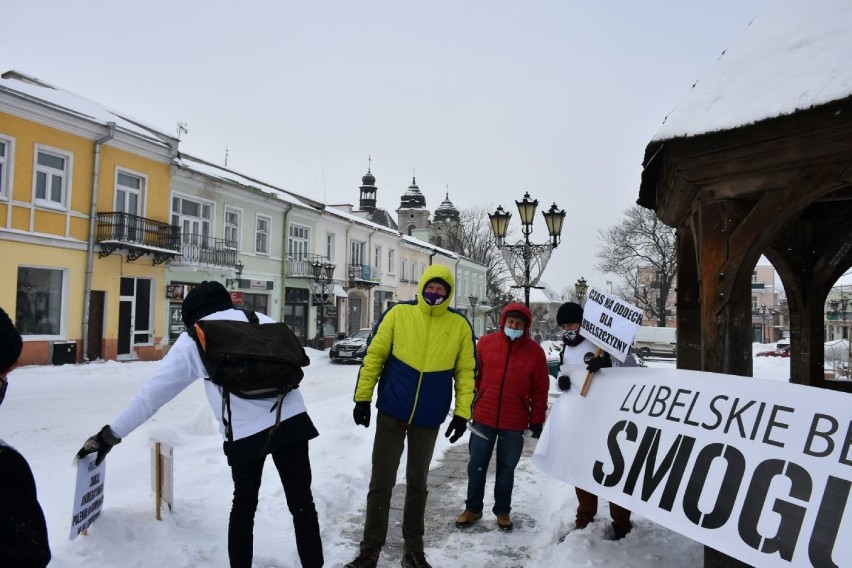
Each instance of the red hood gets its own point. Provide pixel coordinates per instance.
(517, 307)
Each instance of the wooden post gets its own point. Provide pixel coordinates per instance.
(588, 382)
(161, 476)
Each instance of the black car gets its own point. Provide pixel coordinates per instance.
(352, 348)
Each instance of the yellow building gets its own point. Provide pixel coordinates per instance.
(84, 233)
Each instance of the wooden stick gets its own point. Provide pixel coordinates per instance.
(588, 382)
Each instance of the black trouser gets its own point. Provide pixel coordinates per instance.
(294, 468)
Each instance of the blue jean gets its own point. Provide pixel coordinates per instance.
(510, 444)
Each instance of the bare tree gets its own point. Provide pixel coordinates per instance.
(641, 250)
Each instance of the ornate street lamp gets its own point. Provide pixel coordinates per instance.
(526, 261)
(473, 299)
(580, 288)
(322, 274)
(238, 271)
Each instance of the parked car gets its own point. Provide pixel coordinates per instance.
(657, 341)
(783, 352)
(352, 348)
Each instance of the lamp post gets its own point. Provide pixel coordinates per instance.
(473, 299)
(580, 288)
(526, 261)
(322, 274)
(238, 271)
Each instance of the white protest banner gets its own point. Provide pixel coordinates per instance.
(610, 323)
(88, 494)
(760, 470)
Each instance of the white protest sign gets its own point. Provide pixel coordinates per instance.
(88, 494)
(760, 470)
(610, 323)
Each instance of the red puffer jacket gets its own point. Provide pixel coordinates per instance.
(512, 380)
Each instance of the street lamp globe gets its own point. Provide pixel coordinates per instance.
(580, 288)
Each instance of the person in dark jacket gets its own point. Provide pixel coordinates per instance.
(251, 422)
(23, 531)
(511, 397)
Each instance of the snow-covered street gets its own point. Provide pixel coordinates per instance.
(50, 411)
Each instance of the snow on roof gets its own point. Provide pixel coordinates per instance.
(359, 220)
(206, 168)
(417, 242)
(794, 55)
(39, 91)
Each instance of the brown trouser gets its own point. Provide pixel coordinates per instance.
(588, 507)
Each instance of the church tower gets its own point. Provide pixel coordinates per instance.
(412, 214)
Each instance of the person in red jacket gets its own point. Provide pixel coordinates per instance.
(511, 397)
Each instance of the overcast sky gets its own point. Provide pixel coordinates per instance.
(488, 98)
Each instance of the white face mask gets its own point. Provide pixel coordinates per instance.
(513, 334)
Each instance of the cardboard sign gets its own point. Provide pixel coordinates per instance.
(88, 494)
(760, 470)
(610, 323)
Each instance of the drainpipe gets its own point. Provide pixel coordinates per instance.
(90, 251)
(284, 264)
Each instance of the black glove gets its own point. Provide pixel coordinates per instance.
(456, 428)
(102, 442)
(536, 430)
(595, 364)
(564, 383)
(361, 413)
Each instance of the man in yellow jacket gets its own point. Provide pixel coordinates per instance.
(419, 353)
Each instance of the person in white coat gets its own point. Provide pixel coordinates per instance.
(578, 353)
(251, 423)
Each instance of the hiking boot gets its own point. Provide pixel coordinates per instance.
(467, 518)
(367, 558)
(414, 560)
(504, 522)
(620, 531)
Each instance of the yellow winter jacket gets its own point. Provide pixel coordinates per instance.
(418, 354)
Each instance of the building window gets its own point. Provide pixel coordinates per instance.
(377, 257)
(129, 192)
(233, 221)
(261, 234)
(391, 261)
(329, 246)
(298, 245)
(356, 250)
(194, 219)
(5, 165)
(51, 177)
(402, 275)
(38, 309)
(413, 271)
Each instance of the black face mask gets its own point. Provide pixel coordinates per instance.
(571, 338)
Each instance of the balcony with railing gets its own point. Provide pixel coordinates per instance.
(138, 236)
(301, 266)
(364, 276)
(203, 250)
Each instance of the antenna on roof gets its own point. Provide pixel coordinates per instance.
(181, 128)
(226, 155)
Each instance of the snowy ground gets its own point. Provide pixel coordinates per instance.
(50, 411)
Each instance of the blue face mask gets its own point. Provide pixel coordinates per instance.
(513, 334)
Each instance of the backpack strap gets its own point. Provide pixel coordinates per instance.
(252, 316)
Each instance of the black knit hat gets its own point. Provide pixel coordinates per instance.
(569, 312)
(440, 281)
(207, 298)
(10, 342)
(517, 315)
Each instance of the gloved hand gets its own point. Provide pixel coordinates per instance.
(595, 364)
(102, 442)
(456, 428)
(361, 413)
(564, 383)
(536, 430)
